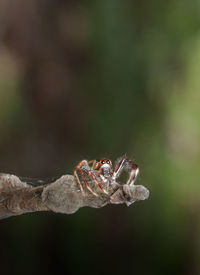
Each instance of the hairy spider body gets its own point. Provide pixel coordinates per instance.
(102, 174)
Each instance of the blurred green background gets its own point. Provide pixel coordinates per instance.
(91, 79)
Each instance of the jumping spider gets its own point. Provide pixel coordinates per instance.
(101, 173)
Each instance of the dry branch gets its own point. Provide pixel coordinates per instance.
(61, 196)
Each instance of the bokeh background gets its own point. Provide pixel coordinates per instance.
(90, 79)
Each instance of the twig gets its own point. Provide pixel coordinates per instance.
(61, 196)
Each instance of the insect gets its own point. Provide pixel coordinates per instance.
(102, 174)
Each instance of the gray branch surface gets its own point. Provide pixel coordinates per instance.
(61, 196)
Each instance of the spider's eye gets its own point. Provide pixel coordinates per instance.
(108, 161)
(103, 162)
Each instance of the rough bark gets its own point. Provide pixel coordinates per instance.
(61, 196)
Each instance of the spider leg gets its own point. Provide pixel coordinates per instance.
(82, 163)
(133, 173)
(126, 163)
(119, 168)
(93, 176)
(83, 168)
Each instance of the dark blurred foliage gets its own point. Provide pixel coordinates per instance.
(86, 79)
